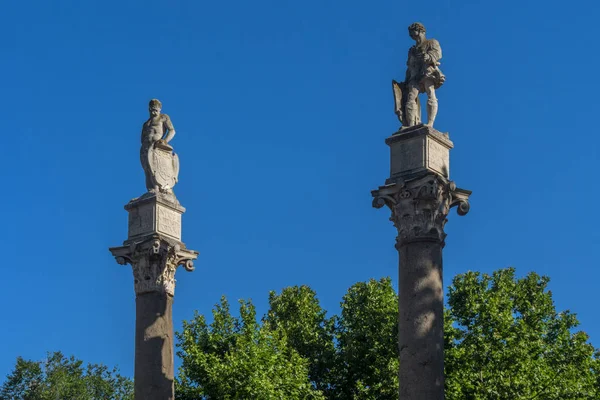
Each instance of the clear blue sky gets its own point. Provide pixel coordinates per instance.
(281, 110)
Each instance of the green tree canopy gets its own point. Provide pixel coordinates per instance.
(297, 313)
(367, 342)
(58, 377)
(238, 359)
(504, 340)
(351, 356)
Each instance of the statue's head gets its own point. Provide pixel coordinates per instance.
(415, 30)
(154, 107)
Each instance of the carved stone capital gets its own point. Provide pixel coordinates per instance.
(154, 262)
(420, 206)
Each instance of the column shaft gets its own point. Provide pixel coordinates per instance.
(154, 372)
(421, 321)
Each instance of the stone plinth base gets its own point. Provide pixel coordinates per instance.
(154, 213)
(418, 150)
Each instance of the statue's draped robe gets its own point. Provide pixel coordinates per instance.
(419, 71)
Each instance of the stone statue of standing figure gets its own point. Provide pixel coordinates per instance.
(161, 165)
(422, 76)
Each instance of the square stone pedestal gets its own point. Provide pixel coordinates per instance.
(153, 213)
(417, 150)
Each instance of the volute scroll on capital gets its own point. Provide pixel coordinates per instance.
(154, 262)
(420, 206)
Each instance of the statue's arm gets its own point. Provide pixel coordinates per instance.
(169, 128)
(434, 54)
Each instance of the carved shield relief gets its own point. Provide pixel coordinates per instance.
(398, 105)
(164, 165)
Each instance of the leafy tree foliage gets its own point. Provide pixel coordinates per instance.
(297, 313)
(505, 340)
(63, 378)
(237, 358)
(367, 351)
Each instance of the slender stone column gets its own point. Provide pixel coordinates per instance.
(154, 251)
(420, 195)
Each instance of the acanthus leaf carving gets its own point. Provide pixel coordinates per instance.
(420, 207)
(154, 263)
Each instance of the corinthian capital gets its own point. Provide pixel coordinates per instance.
(420, 206)
(154, 262)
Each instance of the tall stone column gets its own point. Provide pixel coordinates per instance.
(420, 195)
(154, 250)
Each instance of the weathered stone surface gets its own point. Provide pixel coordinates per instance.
(420, 321)
(154, 253)
(420, 196)
(154, 250)
(418, 191)
(422, 76)
(417, 150)
(420, 206)
(154, 365)
(161, 165)
(153, 247)
(154, 262)
(154, 213)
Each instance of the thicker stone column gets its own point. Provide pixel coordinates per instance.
(154, 371)
(154, 251)
(419, 195)
(420, 329)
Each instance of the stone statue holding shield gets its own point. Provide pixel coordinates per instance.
(161, 165)
(422, 76)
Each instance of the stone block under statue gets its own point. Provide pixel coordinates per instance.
(417, 150)
(154, 213)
